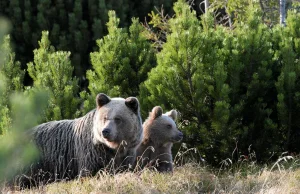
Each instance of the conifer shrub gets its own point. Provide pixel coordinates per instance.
(12, 77)
(52, 71)
(122, 62)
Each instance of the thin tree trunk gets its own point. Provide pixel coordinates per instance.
(206, 4)
(282, 12)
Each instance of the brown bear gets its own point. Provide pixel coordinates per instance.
(160, 132)
(106, 136)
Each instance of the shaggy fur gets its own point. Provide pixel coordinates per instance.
(160, 132)
(74, 148)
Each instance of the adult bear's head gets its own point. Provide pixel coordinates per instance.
(117, 120)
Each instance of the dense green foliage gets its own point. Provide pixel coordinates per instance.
(15, 146)
(236, 86)
(73, 25)
(52, 71)
(13, 81)
(122, 62)
(225, 82)
(287, 83)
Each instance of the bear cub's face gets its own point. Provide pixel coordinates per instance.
(161, 128)
(117, 120)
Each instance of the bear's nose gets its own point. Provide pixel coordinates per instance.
(180, 135)
(106, 132)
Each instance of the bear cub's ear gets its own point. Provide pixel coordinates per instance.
(172, 114)
(132, 103)
(156, 112)
(102, 100)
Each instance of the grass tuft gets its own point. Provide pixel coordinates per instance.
(244, 176)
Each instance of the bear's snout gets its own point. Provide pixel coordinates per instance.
(178, 137)
(106, 132)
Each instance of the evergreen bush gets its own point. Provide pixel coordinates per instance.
(52, 71)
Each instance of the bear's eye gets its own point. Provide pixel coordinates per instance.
(105, 119)
(118, 120)
(169, 126)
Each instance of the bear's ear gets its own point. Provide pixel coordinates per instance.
(132, 103)
(156, 112)
(102, 100)
(172, 114)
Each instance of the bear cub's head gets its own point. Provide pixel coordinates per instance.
(161, 128)
(116, 121)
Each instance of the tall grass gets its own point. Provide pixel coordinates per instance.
(243, 176)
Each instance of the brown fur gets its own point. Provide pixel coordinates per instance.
(159, 132)
(74, 148)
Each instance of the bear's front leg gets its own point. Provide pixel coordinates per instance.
(128, 160)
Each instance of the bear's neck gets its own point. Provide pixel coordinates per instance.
(85, 124)
(147, 142)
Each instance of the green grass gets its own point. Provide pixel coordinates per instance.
(247, 177)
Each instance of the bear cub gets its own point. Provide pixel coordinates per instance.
(160, 132)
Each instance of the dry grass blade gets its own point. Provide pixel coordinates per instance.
(191, 177)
